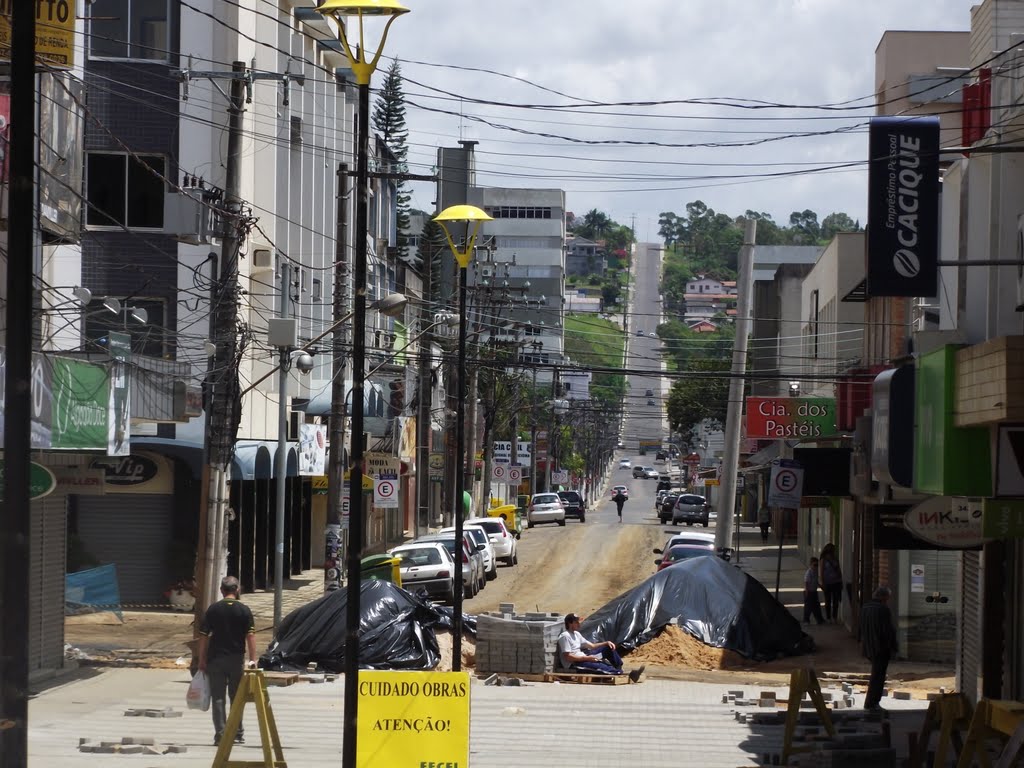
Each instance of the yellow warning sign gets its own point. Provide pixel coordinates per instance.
(413, 719)
(55, 32)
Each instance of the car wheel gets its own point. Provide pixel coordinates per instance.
(562, 522)
(529, 523)
(689, 523)
(510, 560)
(492, 574)
(468, 593)
(583, 518)
(705, 523)
(515, 558)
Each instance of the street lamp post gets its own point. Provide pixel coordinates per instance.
(363, 63)
(471, 217)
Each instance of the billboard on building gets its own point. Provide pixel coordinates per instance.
(903, 206)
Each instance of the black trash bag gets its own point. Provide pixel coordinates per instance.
(396, 631)
(710, 599)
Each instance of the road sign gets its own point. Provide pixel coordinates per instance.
(345, 514)
(385, 491)
(787, 484)
(499, 473)
(502, 450)
(560, 476)
(523, 450)
(515, 474)
(711, 481)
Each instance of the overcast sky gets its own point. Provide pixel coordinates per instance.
(795, 52)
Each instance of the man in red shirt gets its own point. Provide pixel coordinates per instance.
(226, 632)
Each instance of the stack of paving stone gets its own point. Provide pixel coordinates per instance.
(512, 643)
(129, 745)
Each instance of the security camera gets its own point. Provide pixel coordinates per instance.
(304, 362)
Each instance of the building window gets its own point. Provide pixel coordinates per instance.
(129, 29)
(123, 191)
(318, 291)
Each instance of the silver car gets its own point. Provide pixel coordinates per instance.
(545, 508)
(427, 566)
(474, 576)
(483, 545)
(691, 508)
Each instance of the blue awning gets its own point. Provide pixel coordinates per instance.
(253, 460)
(320, 403)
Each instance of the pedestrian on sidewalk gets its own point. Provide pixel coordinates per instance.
(878, 636)
(812, 606)
(619, 498)
(226, 632)
(831, 581)
(764, 520)
(571, 647)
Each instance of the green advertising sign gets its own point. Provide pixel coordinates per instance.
(948, 460)
(1002, 518)
(41, 481)
(80, 399)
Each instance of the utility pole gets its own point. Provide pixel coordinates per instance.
(336, 497)
(281, 470)
(223, 393)
(730, 462)
(15, 529)
(424, 383)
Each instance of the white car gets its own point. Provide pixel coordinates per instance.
(545, 508)
(692, 539)
(482, 539)
(427, 566)
(625, 464)
(502, 540)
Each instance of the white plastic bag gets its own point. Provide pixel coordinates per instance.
(198, 694)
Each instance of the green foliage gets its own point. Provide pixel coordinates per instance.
(701, 396)
(592, 341)
(433, 245)
(389, 121)
(684, 347)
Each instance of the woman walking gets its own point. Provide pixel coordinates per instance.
(831, 581)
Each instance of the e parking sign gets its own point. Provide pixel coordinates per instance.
(787, 484)
(385, 491)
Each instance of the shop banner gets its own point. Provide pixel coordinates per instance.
(903, 206)
(312, 449)
(80, 404)
(119, 408)
(777, 418)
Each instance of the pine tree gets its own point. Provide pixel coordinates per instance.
(389, 122)
(433, 246)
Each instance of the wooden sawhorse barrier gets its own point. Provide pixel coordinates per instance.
(951, 714)
(994, 719)
(253, 687)
(803, 681)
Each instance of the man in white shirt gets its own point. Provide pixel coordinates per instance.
(571, 647)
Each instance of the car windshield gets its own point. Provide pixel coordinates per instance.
(676, 554)
(691, 500)
(418, 556)
(545, 498)
(491, 526)
(569, 495)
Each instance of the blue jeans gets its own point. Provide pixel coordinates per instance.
(612, 664)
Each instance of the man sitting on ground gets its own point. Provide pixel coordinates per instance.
(571, 645)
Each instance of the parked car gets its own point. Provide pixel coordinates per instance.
(545, 508)
(681, 552)
(659, 498)
(639, 331)
(575, 505)
(617, 488)
(502, 539)
(625, 463)
(474, 577)
(664, 483)
(427, 566)
(480, 539)
(691, 509)
(661, 456)
(690, 538)
(667, 505)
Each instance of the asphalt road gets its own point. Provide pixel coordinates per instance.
(644, 413)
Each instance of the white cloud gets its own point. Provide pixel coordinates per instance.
(789, 51)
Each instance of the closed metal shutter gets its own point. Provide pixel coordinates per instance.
(46, 583)
(968, 668)
(134, 532)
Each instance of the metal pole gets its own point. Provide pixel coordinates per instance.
(14, 526)
(335, 464)
(730, 462)
(533, 431)
(282, 454)
(423, 429)
(355, 492)
(460, 475)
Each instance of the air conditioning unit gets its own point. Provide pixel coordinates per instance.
(262, 260)
(485, 270)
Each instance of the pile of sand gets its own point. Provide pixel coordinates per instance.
(674, 647)
(444, 643)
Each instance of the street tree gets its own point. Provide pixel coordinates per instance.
(389, 122)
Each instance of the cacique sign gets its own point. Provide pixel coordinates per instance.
(777, 418)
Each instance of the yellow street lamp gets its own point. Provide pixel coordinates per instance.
(363, 63)
(470, 218)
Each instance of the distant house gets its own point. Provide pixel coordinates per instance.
(703, 326)
(580, 301)
(584, 257)
(707, 297)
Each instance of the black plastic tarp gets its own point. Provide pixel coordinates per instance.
(396, 631)
(712, 600)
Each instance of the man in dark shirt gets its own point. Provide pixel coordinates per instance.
(226, 631)
(878, 635)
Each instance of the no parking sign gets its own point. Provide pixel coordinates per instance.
(787, 484)
(385, 490)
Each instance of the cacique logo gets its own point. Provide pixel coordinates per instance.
(904, 202)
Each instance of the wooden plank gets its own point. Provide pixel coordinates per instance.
(573, 677)
(281, 679)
